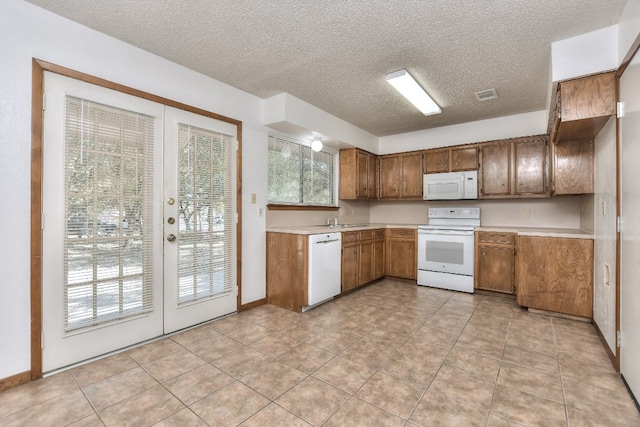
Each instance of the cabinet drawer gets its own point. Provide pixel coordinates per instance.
(379, 233)
(349, 236)
(498, 238)
(366, 235)
(402, 233)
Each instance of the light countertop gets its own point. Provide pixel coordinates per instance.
(321, 229)
(571, 233)
(522, 231)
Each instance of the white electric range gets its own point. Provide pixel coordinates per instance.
(446, 248)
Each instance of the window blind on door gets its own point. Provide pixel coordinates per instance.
(108, 197)
(206, 214)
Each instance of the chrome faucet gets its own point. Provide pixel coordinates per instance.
(333, 219)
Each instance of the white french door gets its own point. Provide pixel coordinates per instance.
(630, 235)
(121, 264)
(199, 221)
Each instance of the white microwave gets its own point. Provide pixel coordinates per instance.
(450, 186)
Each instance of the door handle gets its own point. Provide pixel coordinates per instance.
(171, 238)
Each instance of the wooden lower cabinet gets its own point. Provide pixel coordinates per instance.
(555, 274)
(350, 251)
(362, 257)
(379, 251)
(287, 270)
(495, 261)
(401, 253)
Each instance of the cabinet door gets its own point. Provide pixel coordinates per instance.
(555, 274)
(378, 258)
(464, 159)
(349, 265)
(495, 268)
(530, 167)
(573, 167)
(389, 177)
(411, 174)
(347, 185)
(365, 273)
(495, 170)
(372, 177)
(437, 161)
(402, 258)
(362, 177)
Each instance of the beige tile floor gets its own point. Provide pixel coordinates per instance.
(390, 354)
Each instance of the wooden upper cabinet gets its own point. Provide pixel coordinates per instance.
(464, 159)
(573, 163)
(495, 170)
(401, 176)
(436, 161)
(514, 168)
(452, 159)
(583, 106)
(362, 179)
(530, 167)
(358, 174)
(411, 175)
(390, 177)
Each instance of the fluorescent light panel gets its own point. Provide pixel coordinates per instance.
(410, 89)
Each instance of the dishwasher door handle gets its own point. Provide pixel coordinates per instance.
(327, 241)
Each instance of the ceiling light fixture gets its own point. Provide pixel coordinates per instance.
(410, 89)
(316, 145)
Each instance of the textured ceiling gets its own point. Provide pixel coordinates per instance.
(335, 54)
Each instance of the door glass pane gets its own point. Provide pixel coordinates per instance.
(107, 252)
(445, 252)
(205, 214)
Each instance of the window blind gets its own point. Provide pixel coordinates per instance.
(205, 205)
(108, 189)
(299, 175)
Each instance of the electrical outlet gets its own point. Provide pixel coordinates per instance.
(253, 198)
(260, 212)
(341, 211)
(526, 214)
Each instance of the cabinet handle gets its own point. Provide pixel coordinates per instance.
(484, 254)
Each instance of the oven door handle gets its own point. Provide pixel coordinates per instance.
(446, 233)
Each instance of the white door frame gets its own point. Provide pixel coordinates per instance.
(629, 237)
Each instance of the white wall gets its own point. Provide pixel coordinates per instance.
(585, 54)
(557, 212)
(604, 219)
(526, 124)
(628, 28)
(27, 31)
(301, 120)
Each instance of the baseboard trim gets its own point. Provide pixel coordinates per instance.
(252, 304)
(612, 356)
(15, 380)
(633, 397)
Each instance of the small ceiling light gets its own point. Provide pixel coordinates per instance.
(410, 89)
(316, 145)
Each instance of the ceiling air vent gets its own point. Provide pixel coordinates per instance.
(486, 95)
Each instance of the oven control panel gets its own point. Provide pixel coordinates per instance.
(459, 213)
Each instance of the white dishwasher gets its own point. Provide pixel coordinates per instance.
(325, 251)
